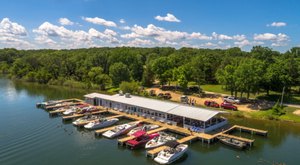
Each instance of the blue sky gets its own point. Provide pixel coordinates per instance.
(61, 24)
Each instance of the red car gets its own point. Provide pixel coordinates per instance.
(226, 105)
(211, 103)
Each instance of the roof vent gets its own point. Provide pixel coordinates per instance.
(127, 95)
(121, 93)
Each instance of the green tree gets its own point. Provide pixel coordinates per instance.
(130, 87)
(119, 72)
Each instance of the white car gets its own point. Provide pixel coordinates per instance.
(231, 99)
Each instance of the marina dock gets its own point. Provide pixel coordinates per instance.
(48, 108)
(100, 131)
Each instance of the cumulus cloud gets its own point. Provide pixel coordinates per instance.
(65, 21)
(8, 28)
(227, 37)
(169, 18)
(100, 21)
(279, 39)
(246, 42)
(122, 21)
(199, 36)
(140, 42)
(13, 35)
(277, 24)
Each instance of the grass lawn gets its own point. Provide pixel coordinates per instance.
(273, 96)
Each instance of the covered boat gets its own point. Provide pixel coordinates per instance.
(145, 127)
(84, 120)
(232, 142)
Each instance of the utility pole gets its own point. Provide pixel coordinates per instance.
(282, 96)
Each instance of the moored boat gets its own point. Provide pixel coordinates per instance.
(85, 119)
(162, 139)
(173, 152)
(102, 122)
(146, 127)
(141, 140)
(120, 130)
(70, 111)
(233, 142)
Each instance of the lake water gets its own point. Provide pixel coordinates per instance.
(28, 136)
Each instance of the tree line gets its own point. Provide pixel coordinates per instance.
(261, 69)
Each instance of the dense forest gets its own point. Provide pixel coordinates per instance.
(261, 69)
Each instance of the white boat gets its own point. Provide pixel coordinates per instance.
(173, 152)
(119, 130)
(70, 111)
(162, 139)
(47, 103)
(103, 122)
(146, 127)
(85, 119)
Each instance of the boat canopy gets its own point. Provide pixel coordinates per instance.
(172, 143)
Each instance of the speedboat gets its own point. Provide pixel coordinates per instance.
(84, 120)
(120, 130)
(141, 140)
(88, 109)
(233, 142)
(47, 103)
(70, 111)
(162, 139)
(103, 122)
(146, 127)
(173, 152)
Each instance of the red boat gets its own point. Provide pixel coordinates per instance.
(141, 140)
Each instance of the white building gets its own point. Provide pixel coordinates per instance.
(203, 120)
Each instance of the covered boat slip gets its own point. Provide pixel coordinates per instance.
(197, 119)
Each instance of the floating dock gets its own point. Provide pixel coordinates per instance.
(48, 108)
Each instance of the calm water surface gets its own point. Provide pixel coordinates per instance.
(28, 136)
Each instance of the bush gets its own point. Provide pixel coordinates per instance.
(277, 110)
(129, 87)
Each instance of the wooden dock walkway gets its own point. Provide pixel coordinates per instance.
(248, 141)
(251, 130)
(80, 115)
(57, 111)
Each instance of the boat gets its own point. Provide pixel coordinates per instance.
(120, 130)
(46, 103)
(85, 119)
(146, 127)
(70, 111)
(141, 140)
(102, 122)
(173, 152)
(162, 139)
(233, 142)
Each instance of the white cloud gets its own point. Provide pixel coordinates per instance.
(246, 42)
(277, 40)
(122, 21)
(169, 18)
(277, 24)
(125, 28)
(107, 34)
(227, 37)
(8, 28)
(100, 21)
(13, 34)
(199, 36)
(65, 21)
(140, 42)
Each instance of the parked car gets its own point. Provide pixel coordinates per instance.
(184, 99)
(232, 99)
(152, 92)
(161, 95)
(227, 105)
(167, 96)
(211, 103)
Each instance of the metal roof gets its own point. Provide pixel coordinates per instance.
(160, 106)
